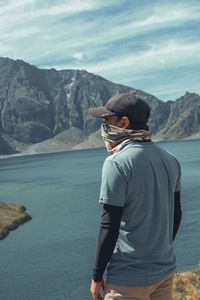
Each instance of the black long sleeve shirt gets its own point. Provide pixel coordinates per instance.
(109, 231)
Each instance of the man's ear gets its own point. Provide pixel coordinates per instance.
(125, 122)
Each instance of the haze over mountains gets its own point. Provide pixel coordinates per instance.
(47, 110)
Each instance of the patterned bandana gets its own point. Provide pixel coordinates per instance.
(115, 138)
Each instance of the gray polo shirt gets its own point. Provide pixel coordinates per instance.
(141, 178)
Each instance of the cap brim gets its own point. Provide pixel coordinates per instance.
(100, 112)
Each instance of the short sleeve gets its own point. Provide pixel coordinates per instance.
(178, 182)
(113, 184)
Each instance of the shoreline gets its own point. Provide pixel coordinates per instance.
(24, 154)
(11, 216)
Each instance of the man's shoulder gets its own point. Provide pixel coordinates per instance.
(137, 151)
(125, 155)
(167, 153)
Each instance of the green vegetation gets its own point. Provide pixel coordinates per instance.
(11, 216)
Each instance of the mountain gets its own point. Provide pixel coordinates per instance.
(184, 118)
(47, 110)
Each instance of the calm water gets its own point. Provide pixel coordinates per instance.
(51, 257)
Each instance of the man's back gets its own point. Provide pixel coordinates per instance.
(142, 178)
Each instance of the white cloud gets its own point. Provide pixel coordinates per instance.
(26, 19)
(35, 9)
(97, 38)
(78, 55)
(69, 37)
(169, 54)
(161, 57)
(20, 33)
(149, 39)
(161, 18)
(9, 6)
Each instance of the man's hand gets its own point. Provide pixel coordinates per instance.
(95, 289)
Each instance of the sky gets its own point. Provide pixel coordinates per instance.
(151, 45)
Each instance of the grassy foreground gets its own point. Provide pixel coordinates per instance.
(187, 285)
(11, 216)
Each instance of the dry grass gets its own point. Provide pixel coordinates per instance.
(187, 285)
(11, 216)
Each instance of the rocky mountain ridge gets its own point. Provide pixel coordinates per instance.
(47, 110)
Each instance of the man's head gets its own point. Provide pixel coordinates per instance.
(125, 111)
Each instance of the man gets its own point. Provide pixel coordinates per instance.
(140, 193)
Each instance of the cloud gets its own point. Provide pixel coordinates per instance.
(31, 21)
(124, 41)
(167, 55)
(78, 56)
(37, 9)
(98, 39)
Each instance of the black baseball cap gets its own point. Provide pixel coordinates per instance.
(129, 104)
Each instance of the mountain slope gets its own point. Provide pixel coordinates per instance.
(50, 107)
(184, 118)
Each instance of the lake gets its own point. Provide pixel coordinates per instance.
(51, 257)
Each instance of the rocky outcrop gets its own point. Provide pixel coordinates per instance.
(11, 215)
(48, 109)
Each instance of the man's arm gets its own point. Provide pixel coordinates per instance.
(177, 213)
(112, 195)
(108, 234)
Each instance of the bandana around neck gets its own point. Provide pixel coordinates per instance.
(115, 138)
